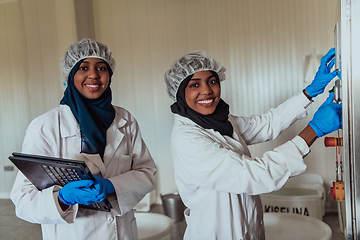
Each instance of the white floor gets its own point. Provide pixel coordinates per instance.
(13, 228)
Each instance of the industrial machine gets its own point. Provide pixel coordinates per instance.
(346, 188)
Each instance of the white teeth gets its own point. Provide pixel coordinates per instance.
(92, 86)
(205, 101)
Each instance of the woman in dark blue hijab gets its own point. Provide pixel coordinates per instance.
(87, 127)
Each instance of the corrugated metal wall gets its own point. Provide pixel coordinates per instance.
(262, 43)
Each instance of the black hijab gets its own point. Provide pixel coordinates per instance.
(218, 120)
(94, 115)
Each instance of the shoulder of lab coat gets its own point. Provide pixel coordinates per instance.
(261, 128)
(203, 158)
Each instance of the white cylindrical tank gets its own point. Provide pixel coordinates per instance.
(303, 195)
(281, 226)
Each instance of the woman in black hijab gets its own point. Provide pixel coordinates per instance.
(217, 178)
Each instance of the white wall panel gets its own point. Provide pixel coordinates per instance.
(31, 35)
(14, 107)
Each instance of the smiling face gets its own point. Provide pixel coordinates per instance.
(202, 94)
(92, 77)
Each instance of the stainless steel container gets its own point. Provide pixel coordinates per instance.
(173, 206)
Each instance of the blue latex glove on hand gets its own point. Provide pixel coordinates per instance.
(106, 183)
(327, 118)
(84, 192)
(323, 75)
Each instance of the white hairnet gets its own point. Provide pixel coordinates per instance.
(83, 49)
(187, 65)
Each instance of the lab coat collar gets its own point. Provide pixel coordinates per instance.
(233, 142)
(114, 137)
(180, 120)
(69, 127)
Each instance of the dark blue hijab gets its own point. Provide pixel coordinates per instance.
(93, 115)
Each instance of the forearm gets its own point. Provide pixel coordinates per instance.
(268, 126)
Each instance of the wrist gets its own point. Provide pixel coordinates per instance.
(309, 135)
(109, 186)
(307, 95)
(63, 200)
(63, 206)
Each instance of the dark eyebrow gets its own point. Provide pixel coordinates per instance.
(197, 79)
(100, 61)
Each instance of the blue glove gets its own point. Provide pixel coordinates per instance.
(323, 75)
(327, 118)
(82, 192)
(338, 74)
(106, 183)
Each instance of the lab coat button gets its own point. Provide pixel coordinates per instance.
(111, 219)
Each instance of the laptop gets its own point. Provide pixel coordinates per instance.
(44, 172)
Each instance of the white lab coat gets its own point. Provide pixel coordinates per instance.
(219, 181)
(127, 163)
